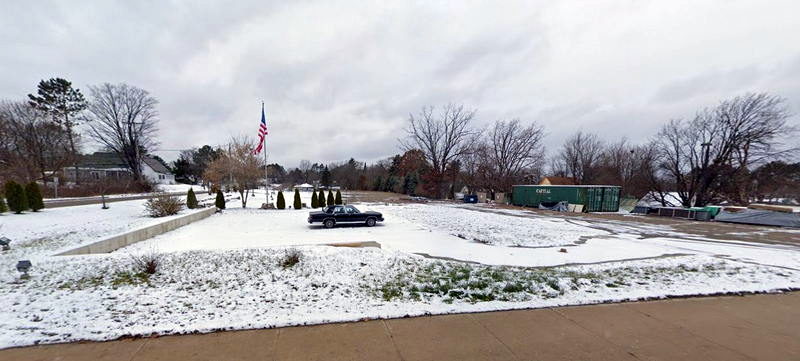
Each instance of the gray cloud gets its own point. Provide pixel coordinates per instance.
(340, 78)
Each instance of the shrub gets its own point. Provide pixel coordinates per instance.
(15, 196)
(280, 203)
(321, 198)
(338, 197)
(291, 258)
(297, 203)
(220, 201)
(314, 203)
(331, 201)
(3, 207)
(191, 199)
(163, 205)
(34, 196)
(146, 263)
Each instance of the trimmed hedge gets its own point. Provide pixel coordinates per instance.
(15, 197)
(34, 196)
(220, 201)
(191, 199)
(280, 203)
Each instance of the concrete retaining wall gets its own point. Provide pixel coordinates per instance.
(125, 239)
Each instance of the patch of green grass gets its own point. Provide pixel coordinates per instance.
(130, 278)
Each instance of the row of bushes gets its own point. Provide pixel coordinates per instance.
(19, 199)
(320, 201)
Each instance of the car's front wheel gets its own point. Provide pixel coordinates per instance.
(329, 223)
(370, 222)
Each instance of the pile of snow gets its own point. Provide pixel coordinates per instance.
(53, 229)
(497, 229)
(101, 298)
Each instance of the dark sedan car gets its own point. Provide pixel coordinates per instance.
(332, 215)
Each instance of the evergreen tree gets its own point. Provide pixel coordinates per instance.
(338, 197)
(314, 203)
(191, 199)
(331, 201)
(220, 201)
(15, 196)
(325, 177)
(34, 196)
(281, 203)
(297, 203)
(57, 97)
(321, 198)
(3, 207)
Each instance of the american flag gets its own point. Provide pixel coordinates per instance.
(262, 131)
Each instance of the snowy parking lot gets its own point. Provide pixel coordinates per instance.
(232, 270)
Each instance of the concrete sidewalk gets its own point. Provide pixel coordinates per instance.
(759, 327)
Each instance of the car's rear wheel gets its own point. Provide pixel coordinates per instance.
(329, 223)
(370, 222)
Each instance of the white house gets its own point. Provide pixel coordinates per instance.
(305, 187)
(110, 165)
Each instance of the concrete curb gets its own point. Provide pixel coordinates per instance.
(116, 242)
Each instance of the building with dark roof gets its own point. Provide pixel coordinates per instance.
(110, 165)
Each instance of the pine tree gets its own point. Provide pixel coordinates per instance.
(3, 207)
(297, 203)
(281, 203)
(220, 201)
(34, 196)
(314, 203)
(331, 201)
(57, 97)
(321, 198)
(15, 196)
(191, 199)
(338, 197)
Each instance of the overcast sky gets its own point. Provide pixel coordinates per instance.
(340, 78)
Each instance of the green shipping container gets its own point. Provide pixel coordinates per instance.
(594, 198)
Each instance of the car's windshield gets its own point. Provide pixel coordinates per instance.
(329, 209)
(351, 209)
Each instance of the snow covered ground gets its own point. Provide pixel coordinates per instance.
(229, 271)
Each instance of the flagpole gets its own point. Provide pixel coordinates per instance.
(266, 167)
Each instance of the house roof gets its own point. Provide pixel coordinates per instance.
(304, 185)
(561, 181)
(157, 166)
(107, 160)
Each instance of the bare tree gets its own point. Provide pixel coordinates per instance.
(512, 149)
(306, 168)
(237, 166)
(441, 137)
(124, 119)
(579, 157)
(719, 145)
(34, 147)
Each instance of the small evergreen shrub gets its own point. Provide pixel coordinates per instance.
(314, 202)
(321, 198)
(15, 197)
(297, 203)
(3, 207)
(281, 203)
(220, 201)
(331, 201)
(163, 205)
(191, 199)
(338, 197)
(34, 196)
